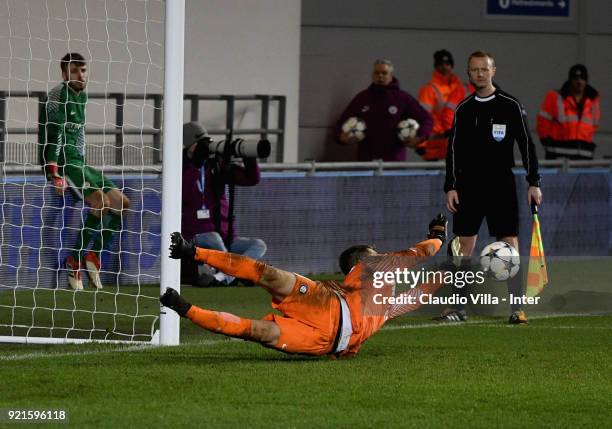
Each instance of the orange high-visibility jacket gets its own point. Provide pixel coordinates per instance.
(434, 97)
(560, 119)
(454, 98)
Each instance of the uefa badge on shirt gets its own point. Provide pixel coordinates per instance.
(499, 132)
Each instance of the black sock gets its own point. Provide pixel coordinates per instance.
(515, 288)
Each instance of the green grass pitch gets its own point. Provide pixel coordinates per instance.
(556, 372)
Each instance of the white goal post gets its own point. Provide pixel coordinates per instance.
(172, 163)
(134, 54)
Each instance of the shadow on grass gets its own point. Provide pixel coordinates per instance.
(250, 352)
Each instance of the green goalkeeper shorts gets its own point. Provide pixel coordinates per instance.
(84, 181)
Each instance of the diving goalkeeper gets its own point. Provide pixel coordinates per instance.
(318, 318)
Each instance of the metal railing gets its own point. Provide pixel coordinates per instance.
(312, 167)
(119, 131)
(229, 131)
(377, 167)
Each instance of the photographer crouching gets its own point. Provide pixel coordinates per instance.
(207, 218)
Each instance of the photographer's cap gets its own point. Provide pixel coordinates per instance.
(192, 132)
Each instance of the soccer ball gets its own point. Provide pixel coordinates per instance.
(500, 260)
(407, 128)
(355, 127)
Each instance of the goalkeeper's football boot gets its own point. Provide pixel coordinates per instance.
(173, 300)
(452, 315)
(74, 274)
(518, 318)
(92, 264)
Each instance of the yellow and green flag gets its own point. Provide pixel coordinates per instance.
(537, 276)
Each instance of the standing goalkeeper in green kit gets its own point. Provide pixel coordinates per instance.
(62, 144)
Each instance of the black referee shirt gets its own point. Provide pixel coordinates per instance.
(481, 144)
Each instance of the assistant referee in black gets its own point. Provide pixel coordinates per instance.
(479, 179)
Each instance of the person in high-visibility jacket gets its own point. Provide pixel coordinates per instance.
(439, 97)
(569, 118)
(454, 98)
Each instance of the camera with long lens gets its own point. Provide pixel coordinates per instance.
(193, 132)
(243, 148)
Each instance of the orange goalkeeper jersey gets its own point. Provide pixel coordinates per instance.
(369, 311)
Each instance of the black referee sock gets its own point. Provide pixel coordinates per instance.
(515, 288)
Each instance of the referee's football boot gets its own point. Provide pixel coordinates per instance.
(438, 227)
(173, 300)
(518, 318)
(452, 315)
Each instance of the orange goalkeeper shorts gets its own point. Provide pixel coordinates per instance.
(309, 323)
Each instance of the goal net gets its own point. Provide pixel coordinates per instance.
(122, 43)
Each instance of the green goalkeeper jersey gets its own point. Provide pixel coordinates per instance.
(62, 127)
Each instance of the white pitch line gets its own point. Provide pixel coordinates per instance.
(136, 348)
(590, 328)
(488, 323)
(484, 323)
(82, 353)
(434, 325)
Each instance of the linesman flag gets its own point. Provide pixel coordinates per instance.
(537, 276)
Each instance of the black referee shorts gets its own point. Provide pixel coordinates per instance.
(493, 198)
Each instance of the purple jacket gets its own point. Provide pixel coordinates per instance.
(382, 108)
(194, 199)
